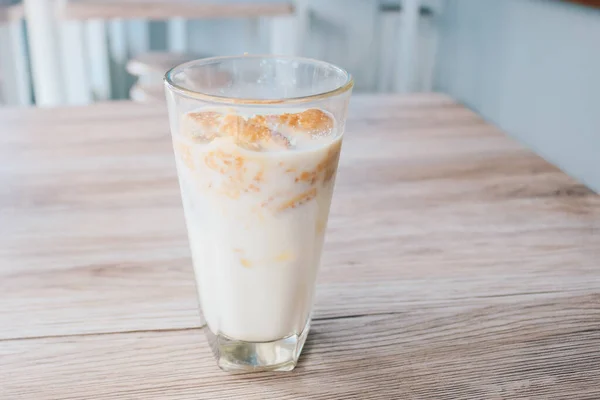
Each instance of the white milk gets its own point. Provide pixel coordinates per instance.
(256, 220)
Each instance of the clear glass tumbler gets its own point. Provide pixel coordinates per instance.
(257, 141)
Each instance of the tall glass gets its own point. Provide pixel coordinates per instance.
(257, 141)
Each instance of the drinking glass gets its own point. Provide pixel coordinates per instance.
(257, 141)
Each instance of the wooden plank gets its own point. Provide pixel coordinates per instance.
(520, 350)
(92, 238)
(161, 9)
(464, 267)
(589, 3)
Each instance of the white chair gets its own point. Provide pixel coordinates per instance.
(388, 45)
(408, 43)
(80, 48)
(72, 60)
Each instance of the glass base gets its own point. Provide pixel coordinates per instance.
(239, 356)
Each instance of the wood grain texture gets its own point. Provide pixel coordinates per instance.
(457, 264)
(589, 3)
(163, 9)
(547, 351)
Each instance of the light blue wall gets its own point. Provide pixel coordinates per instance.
(532, 67)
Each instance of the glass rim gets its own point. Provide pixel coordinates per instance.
(170, 84)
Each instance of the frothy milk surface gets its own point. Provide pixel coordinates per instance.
(256, 191)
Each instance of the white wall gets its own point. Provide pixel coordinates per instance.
(533, 68)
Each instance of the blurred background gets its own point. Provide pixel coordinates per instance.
(531, 67)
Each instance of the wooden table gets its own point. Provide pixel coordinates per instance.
(164, 9)
(457, 265)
